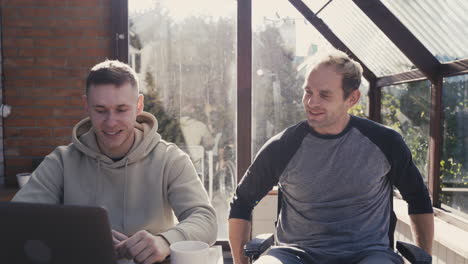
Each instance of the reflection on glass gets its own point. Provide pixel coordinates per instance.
(284, 44)
(454, 161)
(406, 108)
(185, 57)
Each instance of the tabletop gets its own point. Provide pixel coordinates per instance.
(7, 193)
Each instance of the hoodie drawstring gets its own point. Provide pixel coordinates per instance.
(96, 183)
(125, 196)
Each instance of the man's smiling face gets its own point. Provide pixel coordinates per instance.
(113, 111)
(324, 103)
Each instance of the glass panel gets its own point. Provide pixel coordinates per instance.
(361, 109)
(185, 54)
(442, 26)
(406, 108)
(283, 44)
(316, 5)
(364, 38)
(454, 162)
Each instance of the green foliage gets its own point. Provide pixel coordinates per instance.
(358, 110)
(169, 126)
(277, 87)
(403, 108)
(191, 64)
(452, 168)
(454, 172)
(406, 109)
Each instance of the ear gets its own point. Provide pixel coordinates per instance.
(354, 98)
(140, 104)
(85, 103)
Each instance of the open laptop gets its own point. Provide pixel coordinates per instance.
(54, 234)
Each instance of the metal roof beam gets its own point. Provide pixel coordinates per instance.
(391, 26)
(330, 36)
(404, 77)
(244, 86)
(453, 68)
(458, 67)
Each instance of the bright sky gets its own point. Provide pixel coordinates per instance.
(183, 8)
(261, 9)
(139, 5)
(180, 9)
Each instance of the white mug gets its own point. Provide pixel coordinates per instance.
(216, 255)
(195, 252)
(23, 178)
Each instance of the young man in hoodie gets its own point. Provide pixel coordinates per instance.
(118, 161)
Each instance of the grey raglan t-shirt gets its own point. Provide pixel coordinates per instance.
(336, 188)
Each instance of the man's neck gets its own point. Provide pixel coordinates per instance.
(119, 154)
(336, 129)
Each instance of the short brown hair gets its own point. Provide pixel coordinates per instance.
(348, 68)
(111, 72)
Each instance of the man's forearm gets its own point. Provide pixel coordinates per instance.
(423, 230)
(239, 235)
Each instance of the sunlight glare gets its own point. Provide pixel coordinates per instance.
(181, 9)
(137, 6)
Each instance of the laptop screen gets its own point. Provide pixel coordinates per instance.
(54, 234)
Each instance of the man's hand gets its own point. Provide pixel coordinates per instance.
(143, 248)
(118, 237)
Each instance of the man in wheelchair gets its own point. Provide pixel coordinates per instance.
(336, 173)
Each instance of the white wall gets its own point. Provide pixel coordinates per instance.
(264, 216)
(450, 242)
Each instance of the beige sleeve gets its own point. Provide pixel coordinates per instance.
(45, 184)
(189, 200)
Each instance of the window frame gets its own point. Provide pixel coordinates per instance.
(119, 25)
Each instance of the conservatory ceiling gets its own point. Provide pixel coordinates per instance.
(396, 40)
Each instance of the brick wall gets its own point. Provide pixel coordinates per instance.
(48, 47)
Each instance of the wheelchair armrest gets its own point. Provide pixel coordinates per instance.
(413, 254)
(255, 247)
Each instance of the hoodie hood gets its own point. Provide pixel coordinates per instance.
(146, 138)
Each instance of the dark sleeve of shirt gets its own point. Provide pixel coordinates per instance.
(406, 177)
(264, 172)
(403, 173)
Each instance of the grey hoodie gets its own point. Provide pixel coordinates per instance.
(140, 192)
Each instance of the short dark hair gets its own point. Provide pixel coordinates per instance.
(111, 72)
